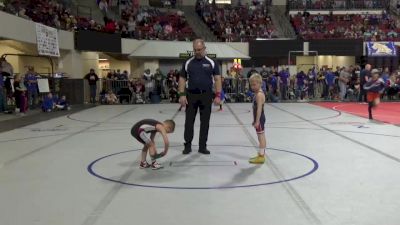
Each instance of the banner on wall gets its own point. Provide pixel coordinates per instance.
(47, 40)
(189, 54)
(381, 49)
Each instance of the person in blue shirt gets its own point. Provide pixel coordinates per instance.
(330, 83)
(385, 75)
(200, 72)
(284, 82)
(300, 79)
(48, 103)
(62, 103)
(273, 87)
(31, 82)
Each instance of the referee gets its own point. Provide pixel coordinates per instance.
(200, 72)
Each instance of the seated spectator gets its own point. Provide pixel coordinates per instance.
(111, 98)
(368, 27)
(139, 90)
(337, 4)
(393, 86)
(62, 103)
(140, 26)
(48, 103)
(392, 34)
(173, 94)
(240, 23)
(125, 95)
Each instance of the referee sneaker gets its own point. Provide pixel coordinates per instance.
(200, 72)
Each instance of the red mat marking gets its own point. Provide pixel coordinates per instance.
(387, 112)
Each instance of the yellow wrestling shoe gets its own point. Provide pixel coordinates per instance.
(260, 159)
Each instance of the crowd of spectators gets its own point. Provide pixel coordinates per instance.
(136, 22)
(333, 84)
(369, 27)
(153, 24)
(150, 87)
(22, 91)
(237, 23)
(337, 4)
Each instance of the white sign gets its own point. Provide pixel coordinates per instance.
(43, 85)
(47, 40)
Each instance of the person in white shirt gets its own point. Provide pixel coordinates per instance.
(149, 83)
(103, 5)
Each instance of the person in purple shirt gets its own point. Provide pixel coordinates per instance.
(283, 82)
(48, 103)
(300, 78)
(311, 75)
(273, 87)
(330, 83)
(32, 87)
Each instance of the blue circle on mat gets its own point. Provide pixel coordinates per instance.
(315, 168)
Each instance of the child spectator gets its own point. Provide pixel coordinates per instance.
(62, 103)
(48, 104)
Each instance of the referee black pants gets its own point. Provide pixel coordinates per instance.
(203, 102)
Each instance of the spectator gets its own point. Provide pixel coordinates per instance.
(149, 83)
(22, 14)
(369, 27)
(8, 73)
(394, 86)
(252, 71)
(20, 95)
(158, 78)
(385, 75)
(245, 22)
(62, 103)
(329, 82)
(131, 27)
(31, 81)
(103, 5)
(122, 76)
(173, 93)
(273, 87)
(264, 72)
(92, 79)
(300, 81)
(125, 94)
(2, 91)
(311, 77)
(139, 91)
(55, 15)
(344, 79)
(283, 82)
(168, 29)
(48, 104)
(111, 98)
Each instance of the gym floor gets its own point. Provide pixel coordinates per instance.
(324, 166)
